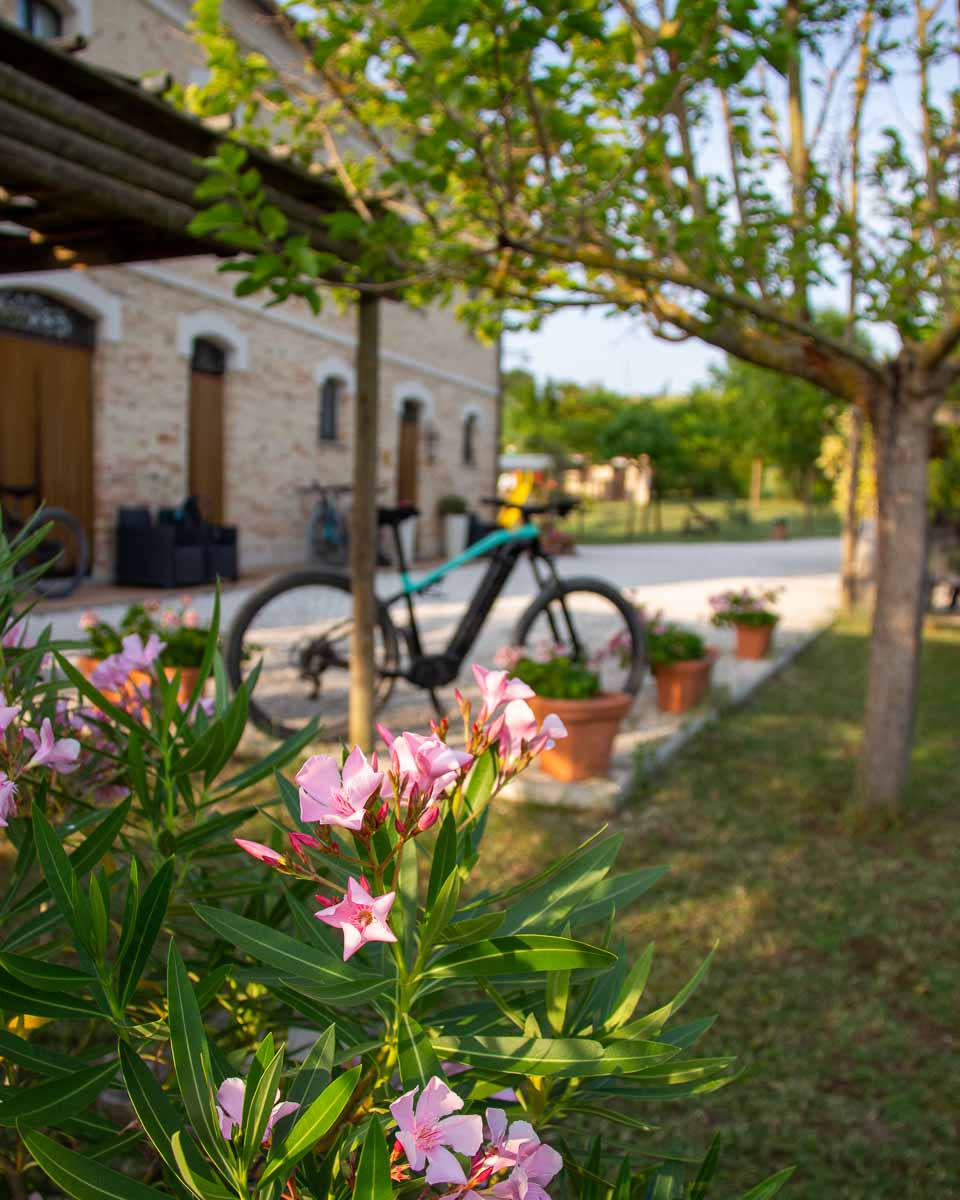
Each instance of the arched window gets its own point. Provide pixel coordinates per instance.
(469, 454)
(329, 427)
(40, 18)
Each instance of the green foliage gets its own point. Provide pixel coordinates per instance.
(560, 677)
(669, 643)
(185, 638)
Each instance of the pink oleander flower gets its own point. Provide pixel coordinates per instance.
(329, 797)
(428, 1133)
(111, 674)
(426, 765)
(261, 852)
(59, 754)
(496, 688)
(8, 713)
(16, 637)
(89, 620)
(191, 619)
(230, 1109)
(360, 917)
(520, 729)
(8, 799)
(111, 793)
(140, 654)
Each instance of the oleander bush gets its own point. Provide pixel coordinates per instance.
(332, 1011)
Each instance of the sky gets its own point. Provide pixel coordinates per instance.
(618, 352)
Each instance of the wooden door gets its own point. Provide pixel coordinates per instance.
(206, 443)
(408, 453)
(46, 422)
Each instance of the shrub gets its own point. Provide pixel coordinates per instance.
(450, 1042)
(451, 505)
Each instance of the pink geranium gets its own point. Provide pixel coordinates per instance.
(329, 797)
(360, 917)
(428, 1133)
(8, 799)
(230, 1108)
(59, 754)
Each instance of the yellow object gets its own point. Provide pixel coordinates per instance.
(519, 494)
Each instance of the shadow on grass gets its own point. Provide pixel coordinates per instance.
(839, 965)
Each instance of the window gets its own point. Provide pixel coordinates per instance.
(469, 440)
(208, 358)
(330, 410)
(41, 19)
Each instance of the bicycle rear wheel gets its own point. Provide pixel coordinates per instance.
(592, 615)
(298, 627)
(63, 557)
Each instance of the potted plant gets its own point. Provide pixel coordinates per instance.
(456, 524)
(681, 664)
(179, 629)
(571, 689)
(779, 529)
(751, 614)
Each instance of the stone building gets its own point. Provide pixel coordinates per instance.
(142, 384)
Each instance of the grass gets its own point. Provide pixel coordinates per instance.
(602, 521)
(838, 972)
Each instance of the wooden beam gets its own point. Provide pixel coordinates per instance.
(363, 523)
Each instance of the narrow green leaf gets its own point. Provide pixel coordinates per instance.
(417, 1061)
(655, 1021)
(61, 879)
(373, 1180)
(311, 1125)
(616, 893)
(50, 1103)
(521, 1055)
(631, 991)
(35, 1058)
(549, 905)
(317, 1067)
(191, 1061)
(257, 1104)
(81, 1178)
(769, 1187)
(444, 858)
(558, 995)
(152, 911)
(521, 953)
(44, 976)
(18, 999)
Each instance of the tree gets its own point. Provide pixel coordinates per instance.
(557, 418)
(782, 421)
(704, 164)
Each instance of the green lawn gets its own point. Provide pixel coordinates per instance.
(609, 521)
(838, 975)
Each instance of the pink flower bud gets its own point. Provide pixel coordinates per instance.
(428, 818)
(261, 852)
(382, 812)
(399, 826)
(299, 840)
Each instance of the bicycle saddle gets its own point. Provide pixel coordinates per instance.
(396, 516)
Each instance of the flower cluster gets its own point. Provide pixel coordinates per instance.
(746, 606)
(59, 755)
(505, 1162)
(419, 775)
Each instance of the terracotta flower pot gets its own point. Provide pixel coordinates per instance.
(591, 727)
(188, 680)
(753, 641)
(682, 685)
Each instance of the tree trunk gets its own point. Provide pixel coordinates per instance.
(363, 524)
(756, 483)
(901, 415)
(849, 587)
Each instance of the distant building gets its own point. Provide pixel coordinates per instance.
(143, 384)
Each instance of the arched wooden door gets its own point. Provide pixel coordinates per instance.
(46, 401)
(207, 370)
(408, 453)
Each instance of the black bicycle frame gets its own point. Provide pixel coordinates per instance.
(488, 591)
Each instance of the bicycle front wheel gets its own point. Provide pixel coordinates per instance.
(591, 618)
(297, 628)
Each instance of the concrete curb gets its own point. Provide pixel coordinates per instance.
(671, 746)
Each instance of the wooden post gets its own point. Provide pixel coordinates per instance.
(363, 523)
